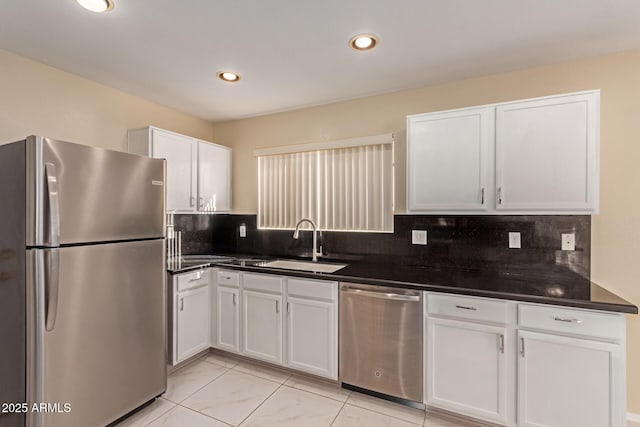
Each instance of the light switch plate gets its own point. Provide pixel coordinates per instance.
(419, 237)
(568, 242)
(514, 240)
(243, 231)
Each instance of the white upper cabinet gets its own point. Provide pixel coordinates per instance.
(181, 153)
(448, 160)
(214, 177)
(547, 154)
(536, 156)
(198, 172)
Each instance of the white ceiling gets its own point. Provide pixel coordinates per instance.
(294, 53)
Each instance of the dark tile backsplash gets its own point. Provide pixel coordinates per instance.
(457, 241)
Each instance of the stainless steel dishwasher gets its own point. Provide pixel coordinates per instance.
(381, 339)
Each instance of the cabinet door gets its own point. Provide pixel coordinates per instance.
(192, 308)
(214, 178)
(228, 311)
(467, 368)
(547, 154)
(569, 382)
(262, 326)
(312, 331)
(180, 153)
(447, 160)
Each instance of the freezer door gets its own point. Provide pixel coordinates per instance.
(81, 194)
(97, 335)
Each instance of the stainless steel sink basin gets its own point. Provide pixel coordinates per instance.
(315, 267)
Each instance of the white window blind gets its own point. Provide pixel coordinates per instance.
(348, 187)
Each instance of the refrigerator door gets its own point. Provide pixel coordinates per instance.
(80, 194)
(96, 331)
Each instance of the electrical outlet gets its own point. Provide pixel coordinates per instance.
(568, 242)
(514, 240)
(419, 237)
(243, 230)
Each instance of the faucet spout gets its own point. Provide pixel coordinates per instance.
(315, 253)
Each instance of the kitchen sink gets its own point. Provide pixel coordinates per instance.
(315, 267)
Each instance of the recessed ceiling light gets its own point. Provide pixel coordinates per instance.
(96, 5)
(363, 42)
(228, 76)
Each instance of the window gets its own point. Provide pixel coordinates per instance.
(342, 185)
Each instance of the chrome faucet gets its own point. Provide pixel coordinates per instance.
(296, 233)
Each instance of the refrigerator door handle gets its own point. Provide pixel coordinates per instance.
(54, 207)
(51, 286)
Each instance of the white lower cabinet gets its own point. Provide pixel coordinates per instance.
(312, 326)
(192, 308)
(286, 321)
(228, 318)
(190, 315)
(312, 336)
(470, 356)
(467, 368)
(523, 364)
(262, 326)
(571, 367)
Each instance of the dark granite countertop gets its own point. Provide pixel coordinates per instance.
(557, 286)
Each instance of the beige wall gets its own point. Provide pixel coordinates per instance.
(615, 232)
(41, 100)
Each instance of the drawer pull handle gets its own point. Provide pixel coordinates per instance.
(560, 319)
(234, 299)
(198, 277)
(181, 304)
(226, 277)
(501, 342)
(288, 307)
(465, 307)
(522, 346)
(277, 306)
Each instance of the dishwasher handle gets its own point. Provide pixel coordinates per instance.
(381, 295)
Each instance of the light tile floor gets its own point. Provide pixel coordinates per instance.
(221, 391)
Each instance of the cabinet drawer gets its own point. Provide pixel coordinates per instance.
(467, 308)
(228, 278)
(192, 280)
(570, 321)
(320, 289)
(262, 282)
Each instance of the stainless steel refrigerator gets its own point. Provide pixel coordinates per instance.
(82, 283)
